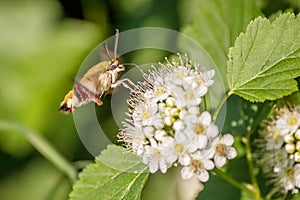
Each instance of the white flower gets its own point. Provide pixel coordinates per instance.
(279, 160)
(278, 151)
(154, 159)
(177, 149)
(178, 125)
(185, 97)
(287, 177)
(159, 93)
(145, 114)
(297, 175)
(207, 76)
(202, 131)
(202, 81)
(288, 122)
(198, 166)
(165, 125)
(274, 138)
(133, 137)
(189, 117)
(178, 76)
(222, 150)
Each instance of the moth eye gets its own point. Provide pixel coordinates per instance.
(113, 66)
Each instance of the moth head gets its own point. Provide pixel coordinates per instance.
(115, 65)
(66, 106)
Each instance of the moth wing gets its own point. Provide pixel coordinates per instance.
(101, 67)
(90, 80)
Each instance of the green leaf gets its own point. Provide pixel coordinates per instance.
(265, 59)
(215, 25)
(294, 99)
(116, 174)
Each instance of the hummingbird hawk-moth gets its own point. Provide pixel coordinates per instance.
(99, 80)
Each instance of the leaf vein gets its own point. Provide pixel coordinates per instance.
(271, 65)
(248, 53)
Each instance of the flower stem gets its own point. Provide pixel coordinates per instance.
(43, 146)
(232, 181)
(218, 109)
(249, 156)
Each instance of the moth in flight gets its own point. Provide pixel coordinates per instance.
(99, 80)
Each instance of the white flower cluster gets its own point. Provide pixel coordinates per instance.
(280, 149)
(166, 127)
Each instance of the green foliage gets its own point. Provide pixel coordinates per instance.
(36, 180)
(238, 169)
(265, 59)
(216, 25)
(41, 51)
(43, 146)
(294, 99)
(39, 55)
(245, 116)
(116, 174)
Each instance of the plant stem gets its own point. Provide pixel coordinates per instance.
(251, 166)
(271, 193)
(43, 146)
(218, 109)
(55, 187)
(232, 181)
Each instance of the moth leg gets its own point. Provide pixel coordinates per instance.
(123, 82)
(97, 100)
(110, 91)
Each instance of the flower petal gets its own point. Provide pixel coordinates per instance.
(231, 152)
(219, 161)
(212, 131)
(203, 175)
(201, 141)
(208, 164)
(163, 166)
(227, 139)
(205, 118)
(184, 159)
(187, 172)
(153, 166)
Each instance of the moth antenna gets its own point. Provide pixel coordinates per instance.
(116, 43)
(107, 52)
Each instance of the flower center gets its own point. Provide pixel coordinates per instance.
(181, 75)
(292, 121)
(146, 114)
(196, 164)
(200, 81)
(189, 95)
(179, 148)
(159, 91)
(199, 129)
(276, 135)
(290, 172)
(220, 148)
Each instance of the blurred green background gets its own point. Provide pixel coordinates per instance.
(42, 44)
